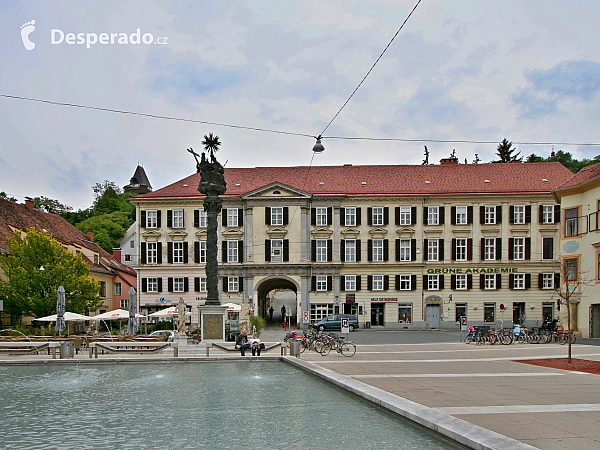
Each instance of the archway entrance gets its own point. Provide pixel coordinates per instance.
(279, 293)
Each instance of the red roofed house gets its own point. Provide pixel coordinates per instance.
(402, 247)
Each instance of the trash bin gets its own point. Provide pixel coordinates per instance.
(295, 348)
(67, 349)
(367, 324)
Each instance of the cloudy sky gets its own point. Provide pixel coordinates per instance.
(528, 70)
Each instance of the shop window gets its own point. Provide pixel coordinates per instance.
(405, 313)
(489, 312)
(460, 310)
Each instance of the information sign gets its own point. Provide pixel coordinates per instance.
(305, 316)
(463, 323)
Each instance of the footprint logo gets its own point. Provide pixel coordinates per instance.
(26, 30)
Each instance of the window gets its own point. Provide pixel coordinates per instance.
(151, 219)
(519, 248)
(405, 215)
(489, 281)
(547, 247)
(321, 217)
(233, 284)
(460, 311)
(489, 250)
(131, 243)
(202, 284)
(202, 252)
(103, 289)
(571, 228)
(519, 214)
(232, 251)
(405, 283)
(547, 281)
(178, 284)
(277, 250)
(378, 282)
(461, 249)
(321, 283)
(405, 250)
(124, 303)
(518, 280)
(178, 218)
(489, 215)
(433, 249)
(202, 220)
(433, 282)
(127, 258)
(320, 311)
(377, 215)
(461, 282)
(489, 312)
(350, 217)
(177, 252)
(461, 215)
(232, 217)
(152, 284)
(571, 269)
(405, 313)
(377, 249)
(96, 259)
(547, 213)
(321, 250)
(277, 215)
(152, 253)
(433, 215)
(350, 250)
(350, 283)
(116, 288)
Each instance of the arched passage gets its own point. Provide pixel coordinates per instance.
(277, 283)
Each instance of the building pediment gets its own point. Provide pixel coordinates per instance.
(177, 235)
(350, 233)
(378, 233)
(201, 234)
(406, 231)
(276, 232)
(490, 232)
(151, 235)
(321, 233)
(233, 234)
(275, 190)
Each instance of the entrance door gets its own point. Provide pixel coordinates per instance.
(519, 313)
(595, 320)
(377, 317)
(432, 316)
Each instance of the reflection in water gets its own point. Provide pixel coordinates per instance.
(212, 405)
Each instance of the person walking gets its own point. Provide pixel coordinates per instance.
(283, 312)
(271, 311)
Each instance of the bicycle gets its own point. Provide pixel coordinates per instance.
(347, 349)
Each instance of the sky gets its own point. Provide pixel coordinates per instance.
(458, 70)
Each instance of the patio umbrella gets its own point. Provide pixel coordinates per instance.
(60, 310)
(168, 312)
(132, 325)
(67, 317)
(112, 315)
(232, 307)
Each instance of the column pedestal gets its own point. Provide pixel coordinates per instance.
(212, 322)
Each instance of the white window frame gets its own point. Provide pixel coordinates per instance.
(519, 214)
(232, 217)
(405, 250)
(152, 284)
(233, 284)
(117, 288)
(408, 307)
(489, 251)
(202, 218)
(461, 282)
(178, 284)
(543, 239)
(518, 281)
(405, 283)
(321, 283)
(202, 286)
(202, 252)
(350, 217)
(232, 251)
(433, 282)
(489, 215)
(433, 250)
(177, 218)
(277, 215)
(461, 215)
(350, 250)
(124, 303)
(519, 249)
(433, 215)
(377, 283)
(377, 248)
(461, 249)
(350, 283)
(489, 282)
(547, 280)
(321, 250)
(151, 218)
(547, 214)
(488, 307)
(320, 311)
(377, 215)
(178, 252)
(321, 213)
(276, 245)
(405, 215)
(151, 252)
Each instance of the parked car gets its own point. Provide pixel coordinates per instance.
(334, 322)
(167, 334)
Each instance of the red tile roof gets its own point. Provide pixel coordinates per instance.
(385, 180)
(585, 175)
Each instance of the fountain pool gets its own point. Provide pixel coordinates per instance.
(215, 405)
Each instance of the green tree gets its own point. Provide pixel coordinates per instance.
(108, 198)
(30, 291)
(566, 159)
(50, 205)
(535, 158)
(107, 228)
(5, 196)
(506, 151)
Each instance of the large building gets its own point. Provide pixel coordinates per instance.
(401, 246)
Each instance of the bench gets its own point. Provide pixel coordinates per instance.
(132, 347)
(228, 348)
(28, 348)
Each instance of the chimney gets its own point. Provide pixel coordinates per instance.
(90, 235)
(117, 255)
(448, 161)
(29, 202)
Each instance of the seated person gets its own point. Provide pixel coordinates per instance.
(255, 345)
(241, 342)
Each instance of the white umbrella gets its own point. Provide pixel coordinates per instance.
(168, 312)
(232, 307)
(116, 314)
(67, 316)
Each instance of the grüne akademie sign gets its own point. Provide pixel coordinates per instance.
(474, 270)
